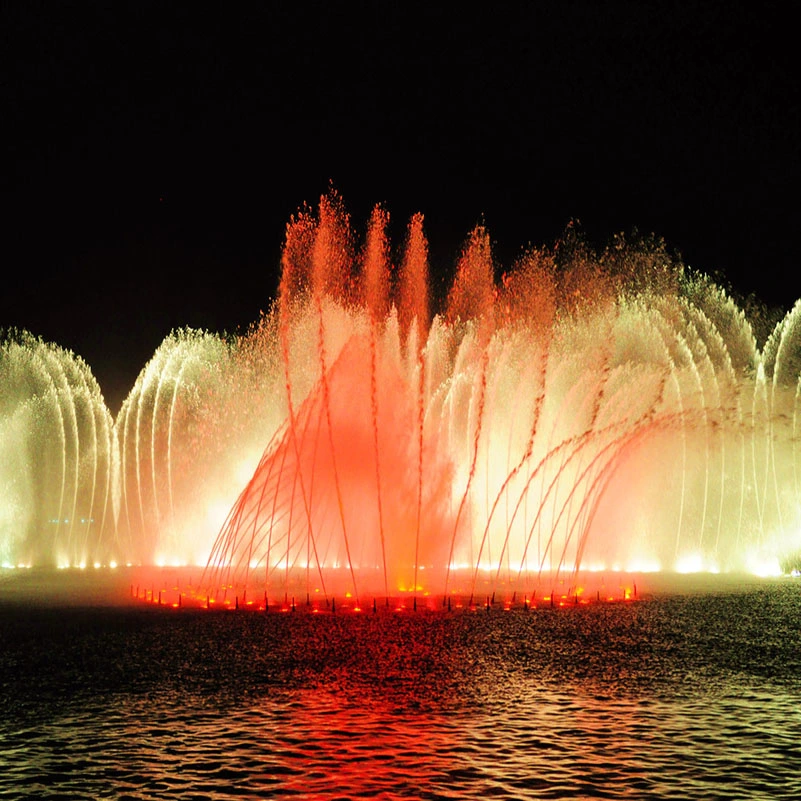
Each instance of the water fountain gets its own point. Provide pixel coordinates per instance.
(582, 414)
(58, 466)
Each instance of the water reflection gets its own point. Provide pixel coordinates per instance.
(676, 698)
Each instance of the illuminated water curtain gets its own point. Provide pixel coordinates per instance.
(583, 411)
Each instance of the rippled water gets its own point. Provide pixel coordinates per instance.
(678, 697)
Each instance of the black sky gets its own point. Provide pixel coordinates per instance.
(154, 152)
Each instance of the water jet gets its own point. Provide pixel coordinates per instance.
(581, 414)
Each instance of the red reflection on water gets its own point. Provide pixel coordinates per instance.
(343, 746)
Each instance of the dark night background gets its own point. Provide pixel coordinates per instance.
(154, 152)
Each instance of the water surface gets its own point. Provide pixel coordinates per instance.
(685, 696)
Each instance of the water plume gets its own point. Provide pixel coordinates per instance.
(584, 412)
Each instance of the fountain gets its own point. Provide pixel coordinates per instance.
(582, 414)
(58, 464)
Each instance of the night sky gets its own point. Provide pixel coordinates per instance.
(153, 153)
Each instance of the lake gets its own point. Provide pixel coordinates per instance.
(682, 694)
